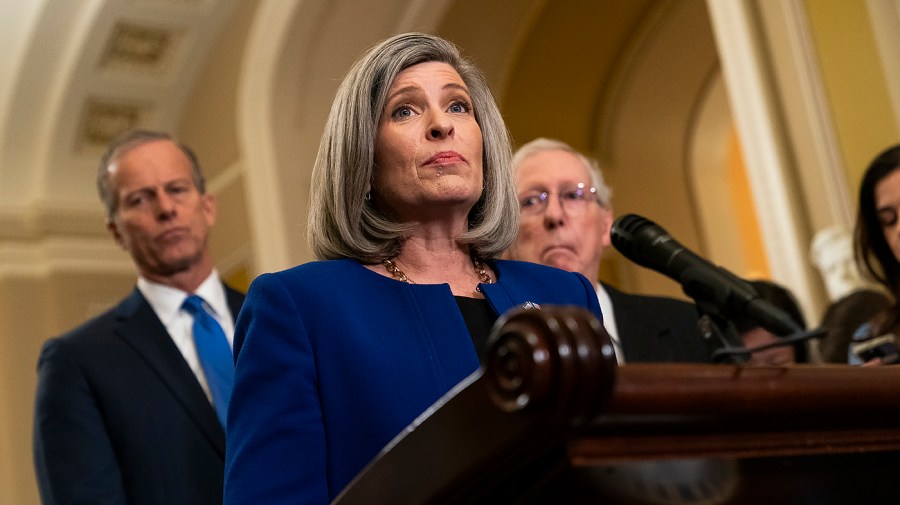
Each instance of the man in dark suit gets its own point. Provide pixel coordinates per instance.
(128, 410)
(566, 220)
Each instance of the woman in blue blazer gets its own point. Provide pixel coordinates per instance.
(412, 202)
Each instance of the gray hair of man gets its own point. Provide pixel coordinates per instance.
(540, 145)
(343, 223)
(124, 143)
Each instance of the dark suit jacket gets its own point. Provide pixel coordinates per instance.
(121, 419)
(657, 329)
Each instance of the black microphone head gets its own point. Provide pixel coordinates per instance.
(641, 240)
(649, 245)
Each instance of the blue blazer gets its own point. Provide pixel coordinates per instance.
(334, 360)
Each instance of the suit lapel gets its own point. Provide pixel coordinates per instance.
(503, 296)
(498, 298)
(627, 325)
(141, 329)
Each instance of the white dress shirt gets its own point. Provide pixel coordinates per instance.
(166, 303)
(609, 322)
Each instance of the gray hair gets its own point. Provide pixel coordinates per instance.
(342, 223)
(539, 145)
(124, 143)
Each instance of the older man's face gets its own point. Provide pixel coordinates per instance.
(556, 229)
(161, 218)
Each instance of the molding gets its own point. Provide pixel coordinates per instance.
(43, 219)
(237, 259)
(32, 111)
(422, 15)
(819, 123)
(230, 176)
(17, 23)
(255, 101)
(885, 18)
(755, 110)
(98, 67)
(62, 254)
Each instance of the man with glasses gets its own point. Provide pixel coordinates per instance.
(566, 219)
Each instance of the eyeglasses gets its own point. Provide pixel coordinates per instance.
(572, 199)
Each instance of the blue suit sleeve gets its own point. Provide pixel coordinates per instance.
(74, 459)
(275, 437)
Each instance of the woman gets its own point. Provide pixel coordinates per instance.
(412, 201)
(877, 249)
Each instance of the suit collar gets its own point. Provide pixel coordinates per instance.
(166, 300)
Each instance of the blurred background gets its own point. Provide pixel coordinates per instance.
(742, 127)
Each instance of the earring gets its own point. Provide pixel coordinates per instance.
(368, 195)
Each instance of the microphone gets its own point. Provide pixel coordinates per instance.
(649, 245)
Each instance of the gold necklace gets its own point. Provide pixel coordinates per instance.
(398, 274)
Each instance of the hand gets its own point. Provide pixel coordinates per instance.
(873, 362)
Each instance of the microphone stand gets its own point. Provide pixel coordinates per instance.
(720, 336)
(745, 352)
(723, 341)
(718, 296)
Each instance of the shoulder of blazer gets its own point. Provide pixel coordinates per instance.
(530, 272)
(320, 273)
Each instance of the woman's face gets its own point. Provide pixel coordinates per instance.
(428, 147)
(887, 207)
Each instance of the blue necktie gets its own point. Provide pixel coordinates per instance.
(215, 354)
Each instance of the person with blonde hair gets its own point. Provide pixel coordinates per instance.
(412, 203)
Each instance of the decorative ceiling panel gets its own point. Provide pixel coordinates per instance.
(103, 120)
(135, 47)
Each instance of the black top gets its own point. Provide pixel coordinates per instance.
(479, 319)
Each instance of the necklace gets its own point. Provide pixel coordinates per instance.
(398, 274)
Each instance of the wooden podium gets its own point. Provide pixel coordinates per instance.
(552, 419)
